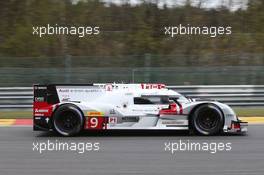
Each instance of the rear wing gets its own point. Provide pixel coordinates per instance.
(45, 94)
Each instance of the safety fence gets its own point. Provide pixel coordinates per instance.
(213, 75)
(14, 98)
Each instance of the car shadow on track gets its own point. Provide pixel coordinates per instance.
(130, 133)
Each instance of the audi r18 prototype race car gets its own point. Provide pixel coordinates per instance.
(69, 109)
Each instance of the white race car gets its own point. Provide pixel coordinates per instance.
(69, 109)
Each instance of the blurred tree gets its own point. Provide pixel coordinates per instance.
(127, 29)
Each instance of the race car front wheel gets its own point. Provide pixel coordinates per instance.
(68, 120)
(207, 119)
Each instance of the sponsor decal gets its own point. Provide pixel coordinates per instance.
(173, 122)
(42, 110)
(112, 120)
(130, 119)
(38, 114)
(40, 87)
(108, 87)
(65, 99)
(47, 120)
(39, 99)
(63, 90)
(152, 86)
(95, 113)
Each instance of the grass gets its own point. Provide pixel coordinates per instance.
(15, 114)
(249, 112)
(242, 112)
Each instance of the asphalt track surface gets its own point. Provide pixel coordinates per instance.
(130, 153)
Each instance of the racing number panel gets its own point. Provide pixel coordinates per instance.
(96, 123)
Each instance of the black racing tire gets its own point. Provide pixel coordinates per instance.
(68, 120)
(207, 119)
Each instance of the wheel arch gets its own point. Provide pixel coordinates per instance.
(63, 104)
(205, 103)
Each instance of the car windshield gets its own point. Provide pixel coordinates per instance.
(151, 100)
(183, 99)
(180, 99)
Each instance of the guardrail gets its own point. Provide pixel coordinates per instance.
(16, 97)
(233, 95)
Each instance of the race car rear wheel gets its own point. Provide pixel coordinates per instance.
(207, 119)
(68, 120)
